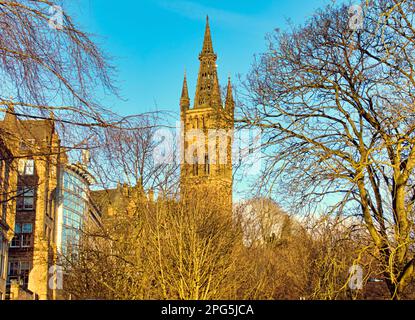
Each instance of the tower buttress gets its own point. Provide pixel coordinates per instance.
(230, 102)
(184, 100)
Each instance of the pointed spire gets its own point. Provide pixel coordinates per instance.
(185, 91)
(207, 43)
(184, 100)
(230, 102)
(229, 93)
(206, 86)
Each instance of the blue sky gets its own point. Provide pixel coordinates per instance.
(151, 42)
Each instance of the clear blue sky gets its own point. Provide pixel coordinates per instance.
(153, 41)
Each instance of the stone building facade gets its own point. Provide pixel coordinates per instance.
(34, 227)
(37, 153)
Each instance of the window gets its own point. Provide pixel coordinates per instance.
(24, 273)
(26, 198)
(195, 166)
(19, 270)
(27, 167)
(74, 185)
(23, 235)
(27, 231)
(30, 167)
(13, 269)
(16, 243)
(207, 164)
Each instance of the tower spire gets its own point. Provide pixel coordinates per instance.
(207, 42)
(206, 86)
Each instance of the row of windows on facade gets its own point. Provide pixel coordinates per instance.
(72, 203)
(200, 123)
(26, 167)
(195, 167)
(74, 185)
(206, 168)
(24, 231)
(26, 196)
(23, 235)
(19, 269)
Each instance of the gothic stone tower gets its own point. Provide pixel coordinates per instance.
(207, 134)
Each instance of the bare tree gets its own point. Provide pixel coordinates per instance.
(52, 70)
(128, 155)
(49, 64)
(162, 250)
(336, 107)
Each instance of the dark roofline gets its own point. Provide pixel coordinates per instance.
(82, 171)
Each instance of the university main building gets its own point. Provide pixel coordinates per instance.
(46, 201)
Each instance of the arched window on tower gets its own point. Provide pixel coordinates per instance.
(195, 165)
(207, 164)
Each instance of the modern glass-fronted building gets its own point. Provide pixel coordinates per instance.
(73, 207)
